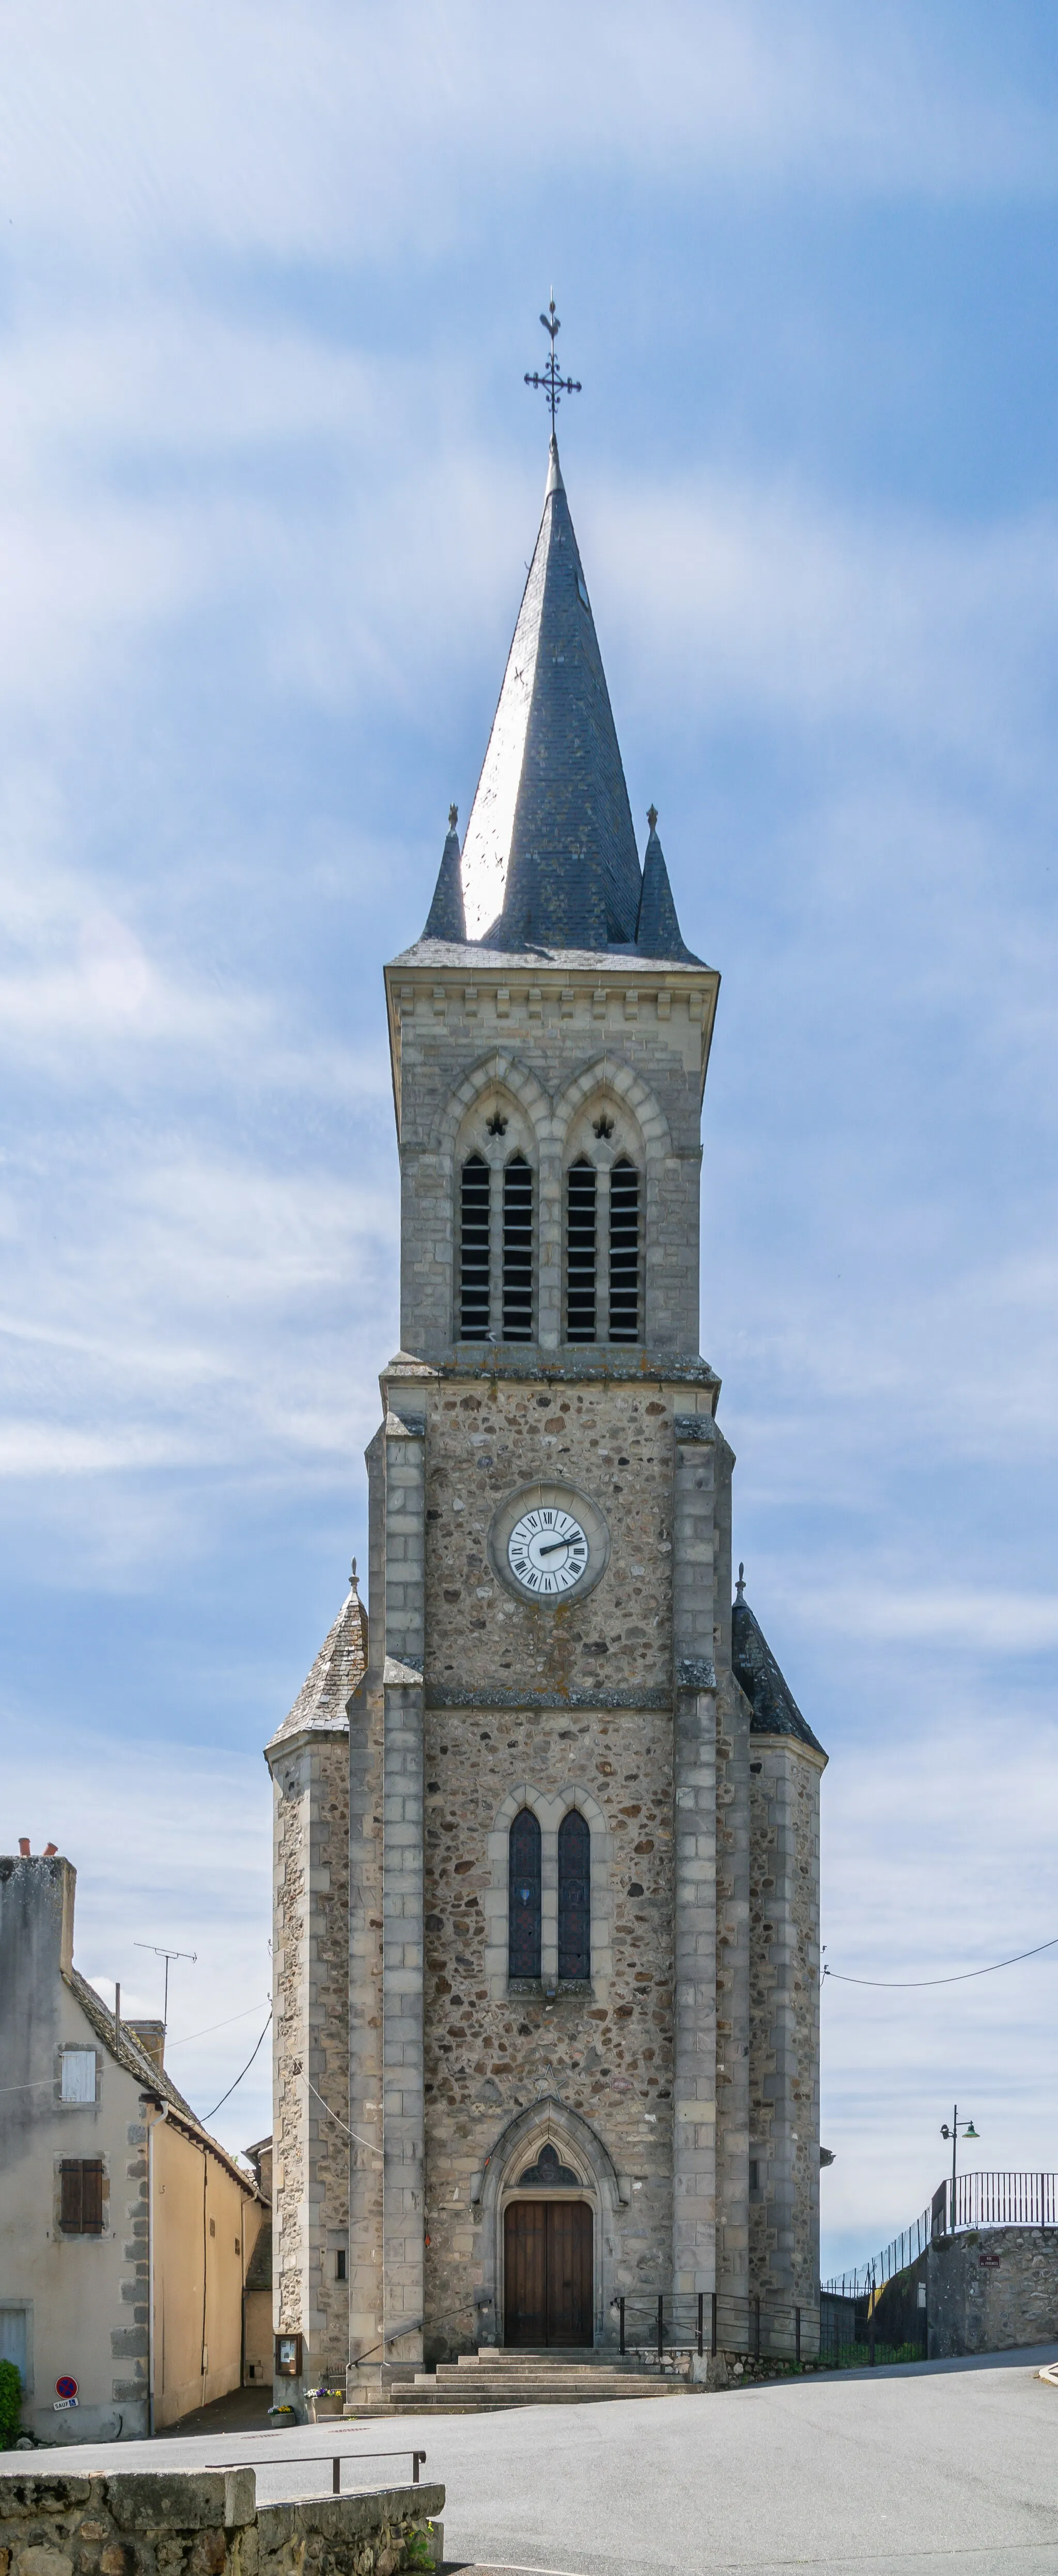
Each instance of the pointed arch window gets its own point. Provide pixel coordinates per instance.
(574, 1897)
(625, 1299)
(517, 1250)
(524, 1905)
(581, 1250)
(474, 1250)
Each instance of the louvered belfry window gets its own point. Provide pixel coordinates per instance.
(517, 1251)
(81, 2201)
(624, 1253)
(523, 1852)
(574, 1897)
(474, 1251)
(580, 1252)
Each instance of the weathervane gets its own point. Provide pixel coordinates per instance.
(553, 385)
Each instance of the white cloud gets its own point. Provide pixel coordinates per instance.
(342, 130)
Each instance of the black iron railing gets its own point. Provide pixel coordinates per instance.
(978, 2200)
(829, 2333)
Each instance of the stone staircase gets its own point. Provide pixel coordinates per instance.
(479, 2382)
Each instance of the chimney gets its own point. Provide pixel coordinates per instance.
(150, 2036)
(50, 1850)
(23, 1845)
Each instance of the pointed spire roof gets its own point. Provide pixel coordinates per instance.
(337, 1672)
(658, 932)
(550, 856)
(446, 918)
(774, 1708)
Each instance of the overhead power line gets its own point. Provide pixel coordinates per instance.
(903, 1983)
(233, 2088)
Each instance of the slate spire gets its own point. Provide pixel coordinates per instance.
(446, 919)
(658, 932)
(550, 856)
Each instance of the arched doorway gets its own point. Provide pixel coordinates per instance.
(548, 2269)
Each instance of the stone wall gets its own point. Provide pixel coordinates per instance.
(992, 2290)
(208, 2524)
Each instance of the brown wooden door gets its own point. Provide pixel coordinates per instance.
(548, 2273)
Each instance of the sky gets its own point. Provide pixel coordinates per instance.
(269, 476)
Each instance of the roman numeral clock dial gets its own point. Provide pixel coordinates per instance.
(547, 1550)
(549, 1543)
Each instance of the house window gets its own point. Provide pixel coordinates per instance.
(78, 2079)
(16, 2340)
(81, 2196)
(574, 1897)
(474, 1251)
(580, 1251)
(517, 1251)
(524, 1895)
(624, 1253)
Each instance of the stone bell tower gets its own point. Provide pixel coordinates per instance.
(583, 1841)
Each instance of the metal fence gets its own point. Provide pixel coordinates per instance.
(978, 2200)
(656, 2327)
(834, 2333)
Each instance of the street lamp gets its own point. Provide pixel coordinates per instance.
(968, 2131)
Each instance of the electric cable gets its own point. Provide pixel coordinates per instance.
(232, 2088)
(959, 1979)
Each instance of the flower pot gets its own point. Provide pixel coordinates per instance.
(324, 2409)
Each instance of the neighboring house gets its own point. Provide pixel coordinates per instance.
(125, 2229)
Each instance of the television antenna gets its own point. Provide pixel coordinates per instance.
(159, 1953)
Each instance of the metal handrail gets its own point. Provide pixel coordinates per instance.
(283, 2459)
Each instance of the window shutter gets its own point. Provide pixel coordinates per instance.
(474, 1251)
(70, 2209)
(624, 1253)
(92, 2197)
(517, 1251)
(81, 2199)
(580, 1252)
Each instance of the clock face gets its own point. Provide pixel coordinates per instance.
(547, 1550)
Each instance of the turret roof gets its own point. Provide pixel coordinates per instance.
(337, 1672)
(775, 1710)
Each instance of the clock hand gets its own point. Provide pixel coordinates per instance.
(554, 1543)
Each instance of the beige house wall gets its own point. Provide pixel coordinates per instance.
(204, 2226)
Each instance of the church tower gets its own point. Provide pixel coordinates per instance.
(583, 1805)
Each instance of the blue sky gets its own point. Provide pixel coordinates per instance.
(269, 280)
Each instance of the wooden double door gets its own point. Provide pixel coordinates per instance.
(548, 2273)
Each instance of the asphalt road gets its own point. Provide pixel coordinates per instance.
(918, 2470)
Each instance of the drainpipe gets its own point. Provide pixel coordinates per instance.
(162, 2108)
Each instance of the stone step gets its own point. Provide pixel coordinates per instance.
(487, 2392)
(426, 2402)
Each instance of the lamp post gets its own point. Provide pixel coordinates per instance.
(968, 2131)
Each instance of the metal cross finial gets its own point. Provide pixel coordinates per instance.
(741, 1584)
(352, 1577)
(652, 815)
(550, 382)
(453, 817)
